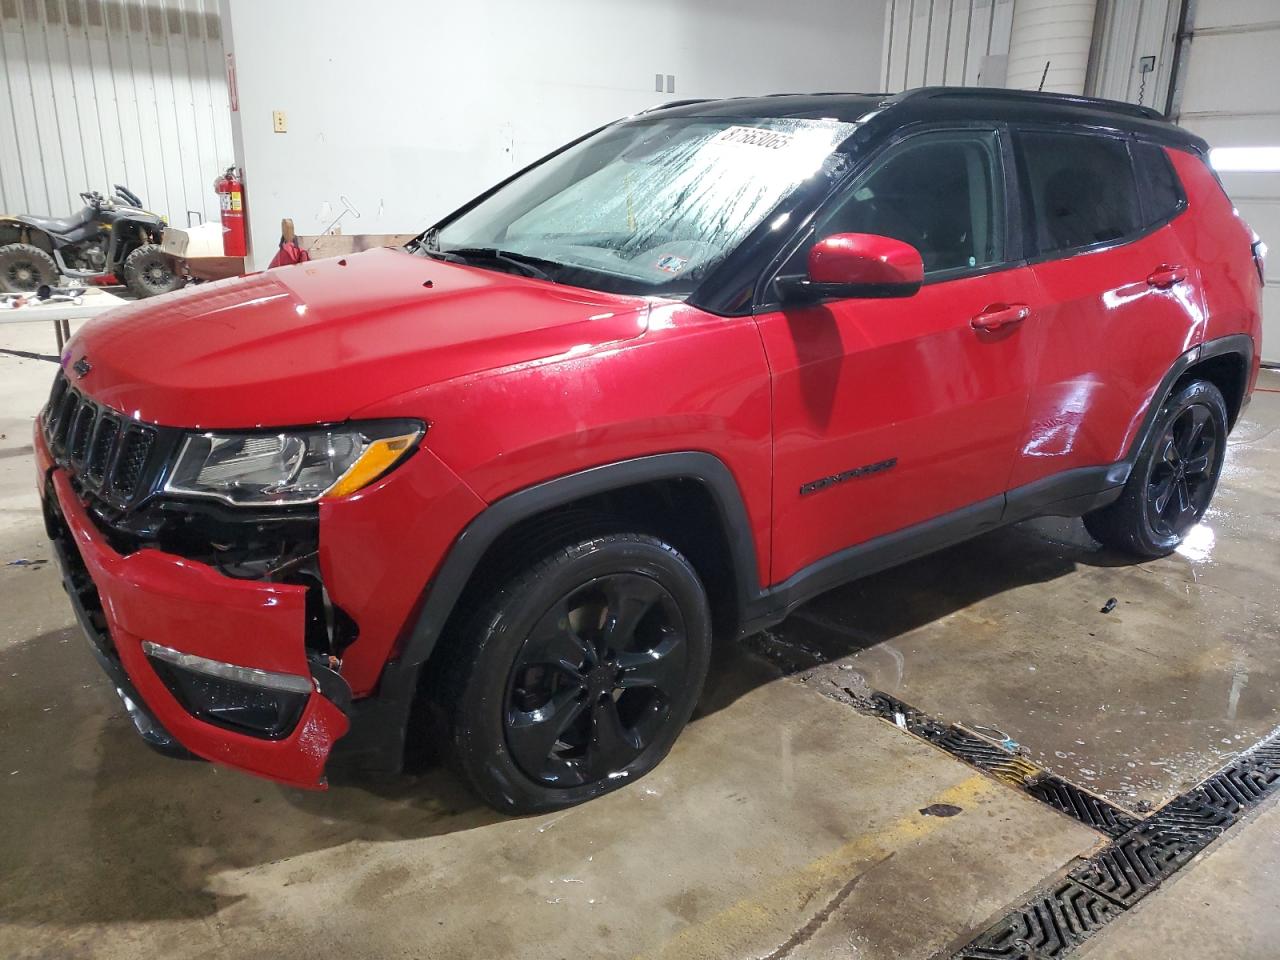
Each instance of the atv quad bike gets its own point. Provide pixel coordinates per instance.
(110, 236)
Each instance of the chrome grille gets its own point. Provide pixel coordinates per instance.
(105, 452)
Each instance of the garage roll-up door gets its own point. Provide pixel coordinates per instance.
(1230, 98)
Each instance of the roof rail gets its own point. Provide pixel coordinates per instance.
(785, 93)
(1033, 96)
(673, 103)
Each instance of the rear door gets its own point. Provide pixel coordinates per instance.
(1118, 294)
(890, 412)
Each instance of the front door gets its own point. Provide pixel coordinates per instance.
(890, 412)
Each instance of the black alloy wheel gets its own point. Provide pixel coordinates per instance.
(595, 681)
(1184, 472)
(575, 674)
(1173, 477)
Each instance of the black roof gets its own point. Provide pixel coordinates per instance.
(947, 103)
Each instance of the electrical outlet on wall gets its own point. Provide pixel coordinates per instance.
(278, 122)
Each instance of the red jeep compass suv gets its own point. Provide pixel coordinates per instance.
(668, 382)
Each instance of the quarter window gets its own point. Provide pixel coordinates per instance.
(1082, 189)
(1161, 192)
(942, 193)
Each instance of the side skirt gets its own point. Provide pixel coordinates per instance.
(1069, 494)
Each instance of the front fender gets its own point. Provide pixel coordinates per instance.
(16, 222)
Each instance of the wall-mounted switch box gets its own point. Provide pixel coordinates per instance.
(278, 122)
(1146, 64)
(671, 83)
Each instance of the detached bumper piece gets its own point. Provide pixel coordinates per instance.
(206, 664)
(84, 601)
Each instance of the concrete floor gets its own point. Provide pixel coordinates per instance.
(784, 824)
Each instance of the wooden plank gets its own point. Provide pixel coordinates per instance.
(337, 245)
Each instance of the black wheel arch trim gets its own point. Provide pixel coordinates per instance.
(502, 514)
(1239, 344)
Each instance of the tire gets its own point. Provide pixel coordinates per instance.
(149, 272)
(612, 635)
(24, 268)
(1173, 479)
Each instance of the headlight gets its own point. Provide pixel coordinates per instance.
(294, 466)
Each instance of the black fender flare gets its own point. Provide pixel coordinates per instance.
(19, 222)
(380, 722)
(1239, 344)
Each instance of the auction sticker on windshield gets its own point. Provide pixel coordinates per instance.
(755, 137)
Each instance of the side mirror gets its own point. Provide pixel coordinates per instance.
(857, 265)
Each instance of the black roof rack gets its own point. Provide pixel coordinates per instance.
(1031, 96)
(674, 103)
(879, 112)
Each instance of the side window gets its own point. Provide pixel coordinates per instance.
(943, 193)
(1162, 194)
(1082, 189)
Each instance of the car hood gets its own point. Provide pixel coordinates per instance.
(316, 342)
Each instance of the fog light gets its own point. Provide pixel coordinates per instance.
(244, 699)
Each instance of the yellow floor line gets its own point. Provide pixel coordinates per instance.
(746, 921)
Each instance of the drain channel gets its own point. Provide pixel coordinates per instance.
(1007, 767)
(1062, 913)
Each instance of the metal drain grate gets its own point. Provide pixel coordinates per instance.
(1094, 811)
(1005, 766)
(1128, 869)
(1063, 914)
(1047, 927)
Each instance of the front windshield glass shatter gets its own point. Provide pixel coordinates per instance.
(648, 206)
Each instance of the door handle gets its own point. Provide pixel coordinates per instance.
(1166, 276)
(1000, 315)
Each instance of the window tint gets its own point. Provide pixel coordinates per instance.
(1161, 191)
(942, 193)
(1082, 189)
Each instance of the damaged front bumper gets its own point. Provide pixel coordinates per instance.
(206, 664)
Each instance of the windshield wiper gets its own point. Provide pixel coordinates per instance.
(529, 266)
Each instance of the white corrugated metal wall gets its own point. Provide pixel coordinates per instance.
(97, 92)
(1127, 31)
(946, 43)
(988, 43)
(1049, 45)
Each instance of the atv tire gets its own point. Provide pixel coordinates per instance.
(149, 272)
(25, 268)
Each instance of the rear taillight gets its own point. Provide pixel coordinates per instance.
(1260, 258)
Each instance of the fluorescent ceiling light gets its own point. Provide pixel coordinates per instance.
(1245, 159)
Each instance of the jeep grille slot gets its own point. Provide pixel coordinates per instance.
(103, 445)
(133, 458)
(107, 454)
(81, 431)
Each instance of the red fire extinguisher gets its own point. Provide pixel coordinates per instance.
(230, 190)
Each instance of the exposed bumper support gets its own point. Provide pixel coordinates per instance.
(245, 630)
